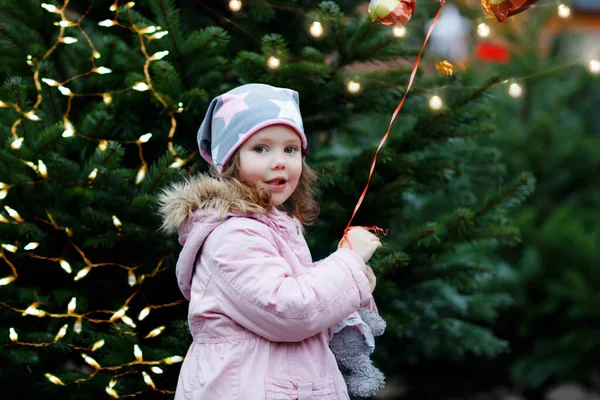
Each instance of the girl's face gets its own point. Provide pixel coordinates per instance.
(272, 159)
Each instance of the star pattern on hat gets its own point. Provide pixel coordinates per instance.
(232, 104)
(288, 110)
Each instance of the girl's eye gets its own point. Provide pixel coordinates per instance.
(291, 149)
(260, 149)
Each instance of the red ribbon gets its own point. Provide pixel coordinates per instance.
(380, 231)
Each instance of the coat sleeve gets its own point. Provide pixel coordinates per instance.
(261, 294)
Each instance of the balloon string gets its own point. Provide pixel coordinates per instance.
(398, 108)
(379, 231)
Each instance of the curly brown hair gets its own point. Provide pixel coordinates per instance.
(301, 203)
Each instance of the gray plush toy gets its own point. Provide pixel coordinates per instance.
(353, 353)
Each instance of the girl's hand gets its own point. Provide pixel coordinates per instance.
(362, 242)
(371, 277)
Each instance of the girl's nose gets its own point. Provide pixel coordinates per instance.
(278, 161)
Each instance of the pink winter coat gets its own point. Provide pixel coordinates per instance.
(259, 307)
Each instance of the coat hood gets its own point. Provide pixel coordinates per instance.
(194, 208)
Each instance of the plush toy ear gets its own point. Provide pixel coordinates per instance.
(373, 320)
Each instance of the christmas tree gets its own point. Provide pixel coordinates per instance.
(548, 108)
(100, 107)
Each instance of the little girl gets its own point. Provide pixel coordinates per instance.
(260, 309)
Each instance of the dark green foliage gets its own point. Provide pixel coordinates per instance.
(445, 197)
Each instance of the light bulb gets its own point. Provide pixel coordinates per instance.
(316, 29)
(436, 102)
(595, 66)
(102, 70)
(483, 30)
(273, 62)
(235, 5)
(140, 87)
(68, 40)
(353, 87)
(515, 90)
(399, 31)
(564, 11)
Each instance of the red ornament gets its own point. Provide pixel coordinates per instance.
(492, 52)
(508, 8)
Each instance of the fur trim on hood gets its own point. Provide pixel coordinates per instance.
(202, 192)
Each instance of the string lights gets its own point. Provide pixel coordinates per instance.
(316, 29)
(399, 31)
(67, 262)
(435, 102)
(353, 87)
(564, 11)
(273, 62)
(594, 66)
(235, 5)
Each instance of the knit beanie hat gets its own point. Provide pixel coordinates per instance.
(236, 115)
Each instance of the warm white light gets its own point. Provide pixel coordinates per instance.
(3, 104)
(68, 40)
(32, 116)
(3, 194)
(144, 313)
(50, 7)
(141, 174)
(13, 334)
(54, 379)
(435, 102)
(158, 35)
(148, 380)
(119, 313)
(140, 86)
(13, 214)
(95, 54)
(42, 169)
(148, 29)
(173, 360)
(61, 333)
(159, 55)
(155, 332)
(515, 90)
(64, 90)
(129, 4)
(93, 174)
(77, 326)
(16, 144)
(116, 221)
(31, 246)
(106, 98)
(595, 66)
(273, 62)
(137, 352)
(156, 370)
(65, 23)
(178, 163)
(7, 280)
(103, 70)
(128, 321)
(82, 273)
(65, 265)
(483, 30)
(316, 29)
(353, 87)
(102, 145)
(72, 305)
(69, 131)
(235, 5)
(107, 23)
(399, 31)
(10, 247)
(50, 82)
(131, 278)
(564, 11)
(144, 138)
(98, 345)
(90, 361)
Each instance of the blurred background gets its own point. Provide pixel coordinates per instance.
(488, 183)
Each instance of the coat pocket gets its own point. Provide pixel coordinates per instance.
(281, 389)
